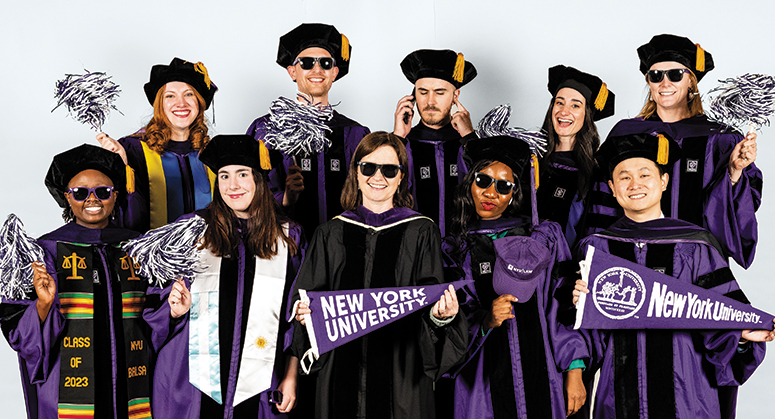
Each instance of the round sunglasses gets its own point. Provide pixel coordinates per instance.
(307, 63)
(503, 187)
(388, 170)
(81, 193)
(674, 74)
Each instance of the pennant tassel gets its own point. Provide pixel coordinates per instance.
(17, 252)
(169, 252)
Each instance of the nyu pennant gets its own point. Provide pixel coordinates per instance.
(339, 317)
(625, 295)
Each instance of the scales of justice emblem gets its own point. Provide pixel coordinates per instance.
(618, 293)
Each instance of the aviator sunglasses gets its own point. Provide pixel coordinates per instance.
(388, 170)
(80, 193)
(326, 63)
(674, 74)
(503, 187)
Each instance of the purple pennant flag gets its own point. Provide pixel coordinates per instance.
(625, 295)
(339, 317)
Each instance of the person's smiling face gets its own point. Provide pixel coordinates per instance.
(670, 95)
(237, 187)
(568, 113)
(316, 81)
(377, 190)
(91, 212)
(490, 204)
(637, 187)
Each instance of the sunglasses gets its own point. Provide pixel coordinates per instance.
(326, 63)
(674, 74)
(388, 170)
(81, 193)
(503, 187)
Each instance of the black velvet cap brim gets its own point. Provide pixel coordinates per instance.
(84, 157)
(313, 35)
(615, 150)
(225, 150)
(178, 70)
(437, 64)
(510, 151)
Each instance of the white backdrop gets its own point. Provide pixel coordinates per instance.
(512, 44)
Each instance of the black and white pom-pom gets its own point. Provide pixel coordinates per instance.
(88, 97)
(17, 252)
(169, 252)
(496, 123)
(298, 129)
(744, 100)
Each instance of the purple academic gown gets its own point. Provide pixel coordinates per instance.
(174, 395)
(187, 184)
(388, 373)
(324, 174)
(435, 168)
(510, 371)
(700, 190)
(669, 373)
(559, 200)
(38, 344)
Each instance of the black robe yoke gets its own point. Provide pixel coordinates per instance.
(388, 373)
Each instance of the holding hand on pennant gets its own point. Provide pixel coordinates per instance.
(447, 305)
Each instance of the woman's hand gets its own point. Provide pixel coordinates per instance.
(447, 305)
(500, 311)
(301, 310)
(742, 156)
(45, 288)
(575, 392)
(288, 386)
(112, 145)
(580, 287)
(179, 299)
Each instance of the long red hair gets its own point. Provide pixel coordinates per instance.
(158, 132)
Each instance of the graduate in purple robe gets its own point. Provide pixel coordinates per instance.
(379, 241)
(309, 184)
(715, 185)
(167, 179)
(83, 346)
(570, 182)
(664, 373)
(509, 370)
(435, 144)
(223, 348)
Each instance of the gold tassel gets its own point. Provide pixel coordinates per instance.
(345, 48)
(700, 59)
(663, 150)
(460, 66)
(602, 97)
(200, 68)
(130, 179)
(535, 168)
(263, 154)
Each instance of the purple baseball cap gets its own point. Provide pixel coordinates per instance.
(519, 262)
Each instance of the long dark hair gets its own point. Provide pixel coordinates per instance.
(264, 225)
(587, 143)
(351, 196)
(465, 209)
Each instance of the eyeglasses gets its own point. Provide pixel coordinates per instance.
(388, 170)
(674, 74)
(503, 187)
(81, 193)
(326, 63)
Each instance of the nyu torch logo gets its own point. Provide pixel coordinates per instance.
(618, 293)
